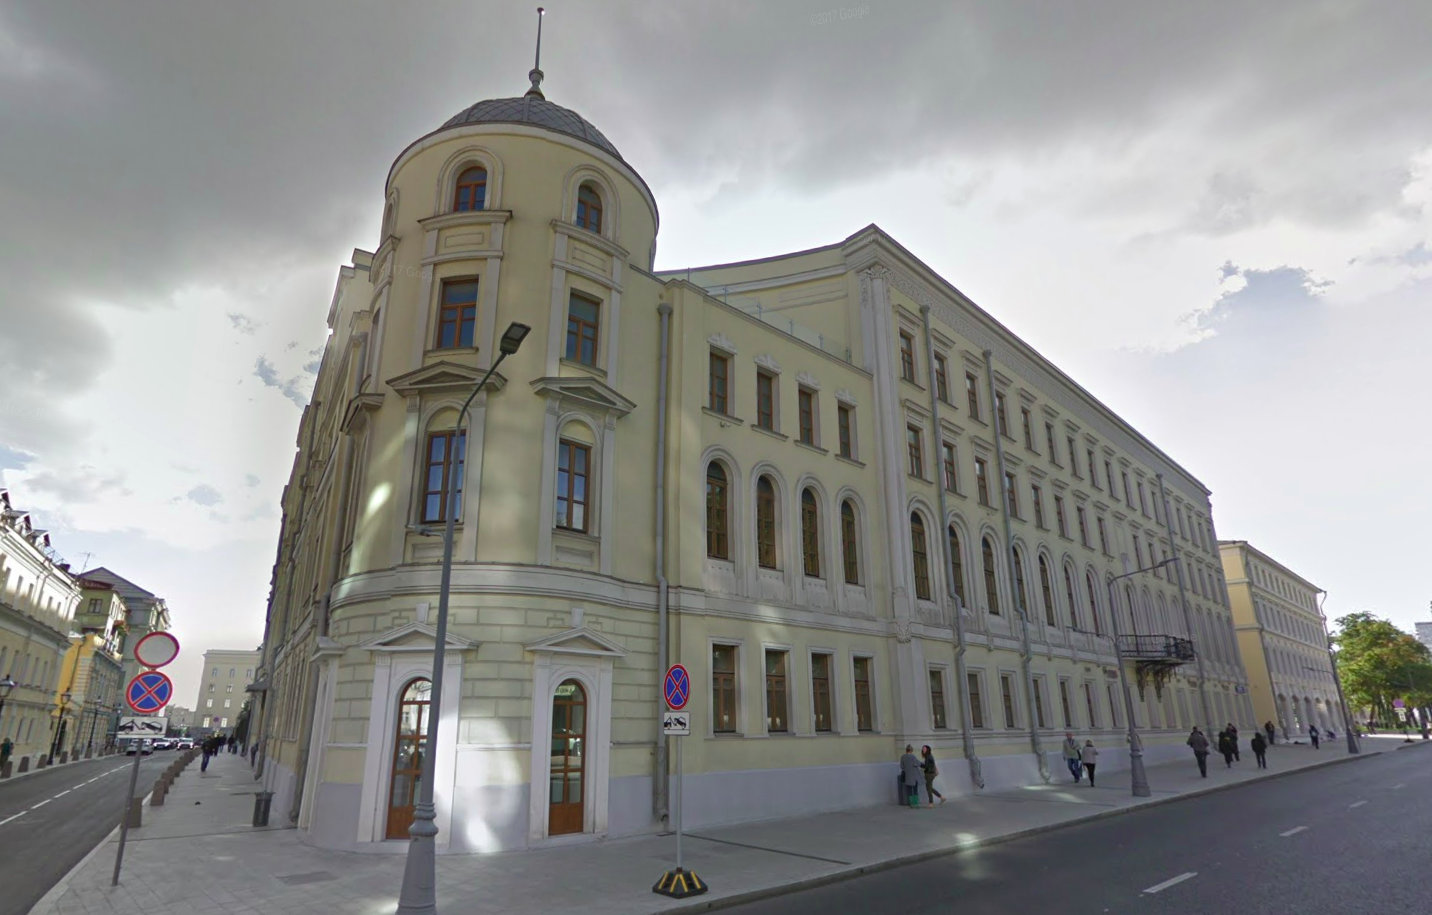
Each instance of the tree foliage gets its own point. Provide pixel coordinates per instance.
(1379, 663)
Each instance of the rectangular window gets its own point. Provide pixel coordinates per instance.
(227, 703)
(1143, 509)
(723, 689)
(1109, 479)
(1006, 691)
(942, 378)
(864, 717)
(937, 697)
(1073, 457)
(720, 383)
(1113, 706)
(208, 703)
(1011, 494)
(582, 329)
(950, 466)
(1090, 704)
(1036, 499)
(845, 421)
(972, 683)
(766, 400)
(776, 709)
(820, 692)
(1128, 497)
(1039, 703)
(1059, 517)
(972, 394)
(1064, 704)
(907, 356)
(1027, 422)
(457, 319)
(1001, 414)
(1093, 468)
(444, 468)
(1103, 536)
(805, 400)
(573, 462)
(982, 481)
(915, 452)
(1083, 525)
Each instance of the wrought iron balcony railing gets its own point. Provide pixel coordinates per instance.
(1166, 648)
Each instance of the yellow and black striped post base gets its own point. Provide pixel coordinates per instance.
(679, 884)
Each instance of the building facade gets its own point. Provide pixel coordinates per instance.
(181, 720)
(145, 612)
(38, 597)
(1284, 641)
(1424, 633)
(91, 692)
(222, 694)
(792, 475)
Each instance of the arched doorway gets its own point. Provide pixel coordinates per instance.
(409, 745)
(569, 750)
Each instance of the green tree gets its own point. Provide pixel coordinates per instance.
(1379, 663)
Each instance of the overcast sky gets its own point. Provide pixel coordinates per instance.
(1217, 217)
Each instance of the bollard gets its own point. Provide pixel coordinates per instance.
(44, 761)
(24, 764)
(136, 812)
(89, 752)
(156, 798)
(65, 756)
(6, 769)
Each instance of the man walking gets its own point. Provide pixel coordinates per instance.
(1199, 742)
(1313, 733)
(6, 748)
(1260, 750)
(1072, 756)
(1268, 727)
(1233, 741)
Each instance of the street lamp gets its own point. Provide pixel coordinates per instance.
(59, 726)
(419, 893)
(5, 686)
(1348, 725)
(1140, 778)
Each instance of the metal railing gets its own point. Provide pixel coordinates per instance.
(1156, 648)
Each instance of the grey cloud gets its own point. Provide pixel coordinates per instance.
(296, 389)
(204, 494)
(1416, 256)
(250, 480)
(242, 323)
(85, 485)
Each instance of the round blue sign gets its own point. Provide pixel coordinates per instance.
(149, 692)
(677, 687)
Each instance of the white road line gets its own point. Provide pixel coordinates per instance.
(1160, 887)
(15, 817)
(1292, 832)
(62, 794)
(1356, 804)
(41, 804)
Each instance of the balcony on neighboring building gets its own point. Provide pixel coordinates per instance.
(1155, 658)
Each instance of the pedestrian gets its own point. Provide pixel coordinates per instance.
(910, 772)
(1268, 727)
(1225, 746)
(6, 748)
(1089, 756)
(207, 746)
(1199, 742)
(1313, 733)
(1072, 756)
(1232, 731)
(1260, 750)
(931, 770)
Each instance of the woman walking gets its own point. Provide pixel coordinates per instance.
(931, 770)
(1090, 757)
(1225, 746)
(910, 774)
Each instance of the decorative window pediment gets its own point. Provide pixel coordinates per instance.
(580, 641)
(590, 393)
(414, 637)
(768, 362)
(444, 377)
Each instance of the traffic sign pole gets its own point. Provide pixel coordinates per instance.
(676, 690)
(124, 815)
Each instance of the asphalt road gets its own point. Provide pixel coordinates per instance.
(51, 819)
(1351, 838)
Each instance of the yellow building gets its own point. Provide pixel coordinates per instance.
(786, 474)
(91, 693)
(1284, 641)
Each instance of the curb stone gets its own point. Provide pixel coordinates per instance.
(52, 898)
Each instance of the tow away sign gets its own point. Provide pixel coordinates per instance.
(131, 727)
(676, 724)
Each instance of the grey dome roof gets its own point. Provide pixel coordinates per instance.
(537, 111)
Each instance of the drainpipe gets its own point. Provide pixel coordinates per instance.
(958, 627)
(1027, 655)
(661, 785)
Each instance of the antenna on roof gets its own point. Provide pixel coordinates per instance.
(536, 74)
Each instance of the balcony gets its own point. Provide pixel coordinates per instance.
(1155, 658)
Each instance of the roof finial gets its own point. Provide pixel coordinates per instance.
(536, 74)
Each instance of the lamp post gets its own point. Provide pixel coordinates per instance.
(419, 893)
(59, 727)
(1138, 775)
(5, 686)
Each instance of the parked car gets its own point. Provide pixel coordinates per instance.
(145, 747)
(163, 743)
(183, 743)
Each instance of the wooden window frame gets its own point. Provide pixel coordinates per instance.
(477, 188)
(1026, 419)
(907, 356)
(810, 534)
(972, 394)
(957, 562)
(849, 542)
(939, 713)
(864, 693)
(920, 556)
(718, 383)
(1066, 704)
(821, 696)
(1036, 499)
(459, 317)
(1011, 493)
(590, 208)
(1046, 591)
(1001, 414)
(583, 334)
(950, 464)
(845, 430)
(718, 522)
(915, 451)
(982, 481)
(942, 378)
(724, 685)
(976, 694)
(806, 414)
(455, 443)
(767, 555)
(765, 400)
(989, 567)
(567, 450)
(778, 693)
(1007, 703)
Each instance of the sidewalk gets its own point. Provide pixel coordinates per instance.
(198, 850)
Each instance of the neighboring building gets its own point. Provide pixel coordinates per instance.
(221, 690)
(38, 596)
(180, 718)
(831, 495)
(1424, 633)
(146, 613)
(91, 693)
(1284, 641)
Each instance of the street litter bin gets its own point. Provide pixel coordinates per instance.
(263, 800)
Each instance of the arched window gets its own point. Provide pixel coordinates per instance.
(1021, 596)
(442, 475)
(765, 523)
(409, 745)
(810, 534)
(991, 582)
(849, 546)
(1093, 602)
(958, 562)
(1069, 596)
(922, 556)
(471, 190)
(1046, 591)
(589, 208)
(718, 539)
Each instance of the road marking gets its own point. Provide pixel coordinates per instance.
(15, 817)
(41, 804)
(62, 794)
(1160, 887)
(1292, 832)
(1357, 804)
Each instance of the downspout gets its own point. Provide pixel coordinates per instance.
(1027, 655)
(661, 785)
(957, 611)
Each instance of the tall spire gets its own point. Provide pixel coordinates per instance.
(536, 73)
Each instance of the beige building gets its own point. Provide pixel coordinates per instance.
(791, 475)
(145, 612)
(1284, 641)
(227, 673)
(38, 597)
(181, 719)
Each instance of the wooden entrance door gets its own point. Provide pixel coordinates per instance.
(409, 747)
(569, 751)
